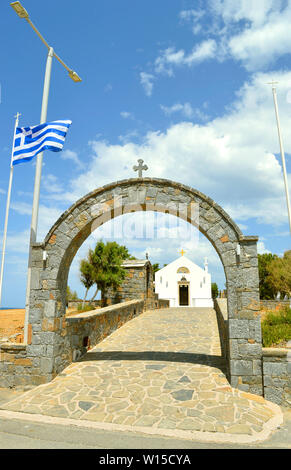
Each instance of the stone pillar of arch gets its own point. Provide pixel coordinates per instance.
(48, 343)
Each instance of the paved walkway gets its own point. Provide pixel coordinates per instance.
(161, 373)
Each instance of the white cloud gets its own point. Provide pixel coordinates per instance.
(146, 79)
(258, 47)
(185, 109)
(254, 33)
(257, 13)
(51, 184)
(126, 115)
(170, 57)
(18, 242)
(47, 217)
(71, 155)
(191, 15)
(22, 208)
(261, 248)
(205, 50)
(231, 158)
(128, 136)
(2, 191)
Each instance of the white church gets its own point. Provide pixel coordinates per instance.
(184, 284)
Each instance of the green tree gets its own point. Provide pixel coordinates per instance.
(267, 290)
(71, 295)
(214, 290)
(155, 267)
(106, 270)
(279, 274)
(86, 277)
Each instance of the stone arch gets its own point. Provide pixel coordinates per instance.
(49, 279)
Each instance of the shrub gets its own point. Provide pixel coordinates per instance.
(86, 308)
(276, 327)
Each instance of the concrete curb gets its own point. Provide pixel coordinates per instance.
(268, 427)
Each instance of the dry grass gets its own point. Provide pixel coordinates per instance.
(12, 323)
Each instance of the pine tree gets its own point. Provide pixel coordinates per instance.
(86, 277)
(103, 266)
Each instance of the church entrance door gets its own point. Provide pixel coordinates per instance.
(183, 295)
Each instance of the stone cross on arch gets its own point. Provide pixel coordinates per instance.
(140, 168)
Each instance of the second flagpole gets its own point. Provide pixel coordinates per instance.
(7, 209)
(282, 152)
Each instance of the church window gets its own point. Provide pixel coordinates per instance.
(201, 285)
(161, 279)
(167, 284)
(183, 270)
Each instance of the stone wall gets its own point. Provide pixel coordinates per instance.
(75, 303)
(220, 306)
(274, 304)
(276, 362)
(85, 330)
(22, 364)
(16, 368)
(241, 344)
(277, 375)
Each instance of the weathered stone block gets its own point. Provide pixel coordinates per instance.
(23, 362)
(275, 369)
(273, 394)
(255, 329)
(35, 350)
(241, 367)
(46, 365)
(249, 349)
(238, 328)
(35, 279)
(257, 368)
(50, 308)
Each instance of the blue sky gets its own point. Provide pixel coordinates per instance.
(180, 84)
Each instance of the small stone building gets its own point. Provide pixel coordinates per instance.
(138, 283)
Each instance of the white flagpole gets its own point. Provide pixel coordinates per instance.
(7, 209)
(282, 152)
(35, 205)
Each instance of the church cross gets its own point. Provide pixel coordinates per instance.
(273, 83)
(182, 252)
(140, 168)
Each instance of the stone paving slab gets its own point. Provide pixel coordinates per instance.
(162, 371)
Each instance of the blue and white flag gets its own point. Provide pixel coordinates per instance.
(29, 141)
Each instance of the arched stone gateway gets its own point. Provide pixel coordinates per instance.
(238, 254)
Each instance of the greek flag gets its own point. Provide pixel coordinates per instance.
(29, 141)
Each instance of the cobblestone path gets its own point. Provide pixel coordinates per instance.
(161, 370)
